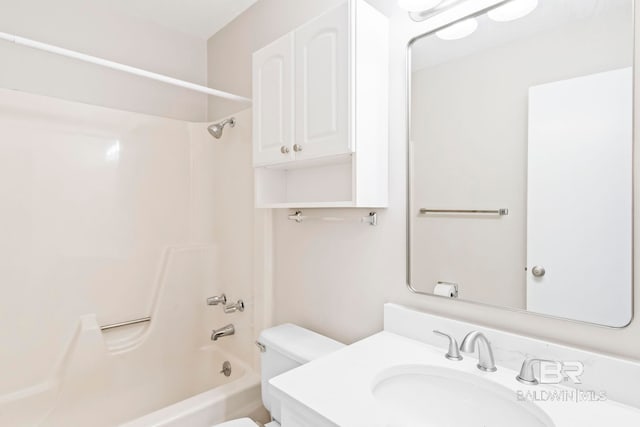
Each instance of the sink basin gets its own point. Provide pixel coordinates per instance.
(422, 395)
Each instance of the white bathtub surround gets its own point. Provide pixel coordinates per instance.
(358, 368)
(110, 216)
(127, 372)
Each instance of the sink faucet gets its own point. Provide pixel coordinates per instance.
(222, 332)
(485, 354)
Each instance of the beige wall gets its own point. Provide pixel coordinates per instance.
(334, 278)
(469, 132)
(96, 29)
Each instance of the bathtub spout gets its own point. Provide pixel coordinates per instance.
(222, 332)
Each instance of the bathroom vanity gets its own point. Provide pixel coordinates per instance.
(400, 377)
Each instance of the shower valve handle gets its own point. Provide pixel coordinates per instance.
(220, 299)
(232, 308)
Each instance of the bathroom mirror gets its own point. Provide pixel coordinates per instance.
(520, 159)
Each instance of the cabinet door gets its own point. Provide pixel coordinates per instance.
(273, 102)
(321, 85)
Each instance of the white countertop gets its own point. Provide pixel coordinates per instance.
(339, 386)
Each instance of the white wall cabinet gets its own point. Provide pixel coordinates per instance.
(321, 86)
(320, 112)
(273, 102)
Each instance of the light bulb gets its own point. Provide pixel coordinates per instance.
(458, 31)
(418, 5)
(513, 10)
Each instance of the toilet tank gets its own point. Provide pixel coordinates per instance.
(286, 347)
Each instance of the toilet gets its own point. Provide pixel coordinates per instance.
(286, 347)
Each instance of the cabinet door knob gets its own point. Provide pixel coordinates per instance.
(284, 149)
(297, 148)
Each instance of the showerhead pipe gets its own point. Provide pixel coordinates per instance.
(216, 129)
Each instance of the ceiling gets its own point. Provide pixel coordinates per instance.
(199, 18)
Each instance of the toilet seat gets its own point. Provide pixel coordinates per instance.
(240, 422)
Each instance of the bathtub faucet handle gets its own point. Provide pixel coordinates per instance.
(219, 299)
(232, 308)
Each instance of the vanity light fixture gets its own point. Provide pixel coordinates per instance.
(419, 10)
(459, 30)
(419, 5)
(513, 10)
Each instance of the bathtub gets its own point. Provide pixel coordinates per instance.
(193, 394)
(215, 398)
(164, 372)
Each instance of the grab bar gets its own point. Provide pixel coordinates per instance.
(501, 212)
(127, 323)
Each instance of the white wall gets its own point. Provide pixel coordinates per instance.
(469, 133)
(334, 278)
(95, 28)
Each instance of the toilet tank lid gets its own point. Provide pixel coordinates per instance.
(297, 343)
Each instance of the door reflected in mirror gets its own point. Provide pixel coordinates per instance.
(521, 146)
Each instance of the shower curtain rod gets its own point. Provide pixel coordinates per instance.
(120, 67)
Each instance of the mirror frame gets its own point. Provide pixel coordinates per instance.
(409, 176)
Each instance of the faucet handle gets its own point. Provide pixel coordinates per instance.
(220, 299)
(232, 308)
(452, 353)
(527, 375)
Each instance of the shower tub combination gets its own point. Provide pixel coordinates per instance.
(204, 397)
(133, 375)
(65, 368)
